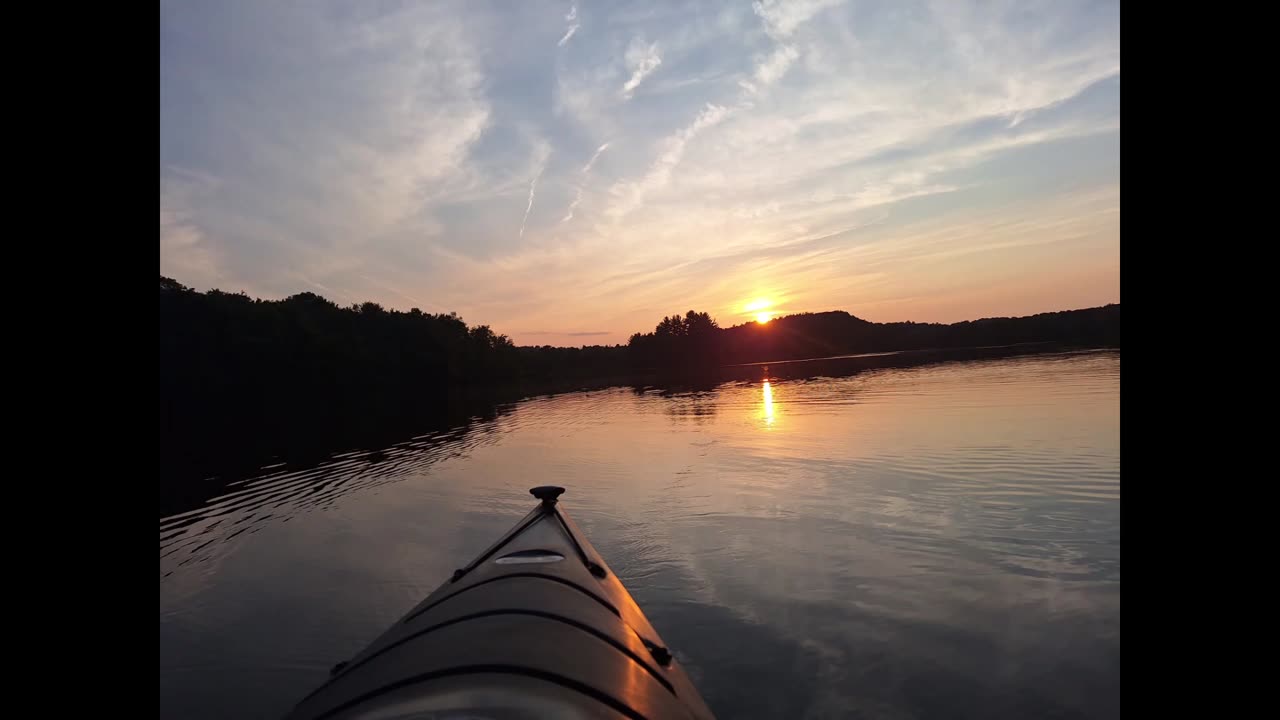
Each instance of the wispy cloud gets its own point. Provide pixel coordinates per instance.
(577, 200)
(186, 253)
(594, 156)
(543, 152)
(388, 288)
(838, 154)
(586, 333)
(586, 170)
(327, 136)
(782, 17)
(771, 69)
(641, 60)
(767, 71)
(573, 26)
(631, 195)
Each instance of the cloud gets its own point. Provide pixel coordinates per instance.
(586, 170)
(542, 153)
(594, 156)
(589, 333)
(782, 17)
(771, 68)
(328, 136)
(186, 253)
(641, 60)
(631, 195)
(802, 147)
(573, 26)
(577, 200)
(415, 302)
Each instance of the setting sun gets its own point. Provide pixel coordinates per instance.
(759, 308)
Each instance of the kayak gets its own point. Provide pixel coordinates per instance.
(536, 626)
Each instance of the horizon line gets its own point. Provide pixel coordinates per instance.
(623, 344)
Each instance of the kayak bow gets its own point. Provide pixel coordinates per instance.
(535, 626)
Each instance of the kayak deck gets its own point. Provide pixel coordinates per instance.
(536, 626)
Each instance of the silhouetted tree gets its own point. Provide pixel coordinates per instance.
(241, 369)
(695, 340)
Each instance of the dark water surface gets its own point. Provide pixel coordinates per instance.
(932, 542)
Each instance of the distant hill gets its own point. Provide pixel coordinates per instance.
(695, 339)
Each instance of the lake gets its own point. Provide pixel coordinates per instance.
(917, 542)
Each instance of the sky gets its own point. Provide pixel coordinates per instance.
(571, 172)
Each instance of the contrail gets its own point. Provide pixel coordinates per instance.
(572, 206)
(587, 168)
(573, 27)
(532, 187)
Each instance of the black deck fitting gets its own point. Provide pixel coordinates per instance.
(661, 654)
(547, 493)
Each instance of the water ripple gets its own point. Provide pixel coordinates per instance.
(932, 541)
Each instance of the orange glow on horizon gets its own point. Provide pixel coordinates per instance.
(759, 309)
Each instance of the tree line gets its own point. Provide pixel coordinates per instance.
(243, 370)
(697, 340)
(245, 374)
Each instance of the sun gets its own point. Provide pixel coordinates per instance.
(759, 307)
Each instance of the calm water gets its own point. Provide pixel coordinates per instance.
(941, 541)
